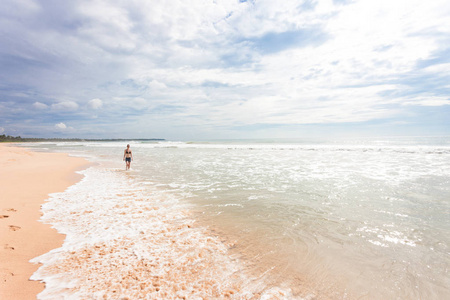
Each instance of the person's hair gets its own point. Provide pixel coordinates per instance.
(128, 145)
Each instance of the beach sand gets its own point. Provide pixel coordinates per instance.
(26, 179)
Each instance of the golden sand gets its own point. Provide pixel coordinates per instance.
(26, 179)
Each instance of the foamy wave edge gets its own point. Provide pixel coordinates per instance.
(127, 241)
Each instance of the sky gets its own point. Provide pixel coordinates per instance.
(223, 69)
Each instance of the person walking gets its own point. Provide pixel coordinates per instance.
(127, 157)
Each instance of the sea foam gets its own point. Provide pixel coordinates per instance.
(127, 240)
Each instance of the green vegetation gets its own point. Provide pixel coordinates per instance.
(18, 139)
(8, 138)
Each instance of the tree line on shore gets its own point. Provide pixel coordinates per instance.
(8, 138)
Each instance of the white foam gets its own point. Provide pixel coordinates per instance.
(390, 200)
(389, 236)
(130, 240)
(230, 204)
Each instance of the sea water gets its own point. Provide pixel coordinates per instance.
(359, 219)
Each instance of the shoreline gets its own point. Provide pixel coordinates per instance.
(27, 179)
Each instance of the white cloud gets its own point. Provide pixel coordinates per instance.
(95, 103)
(40, 106)
(428, 101)
(195, 61)
(60, 126)
(156, 85)
(65, 106)
(2, 129)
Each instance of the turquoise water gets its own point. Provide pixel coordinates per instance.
(295, 219)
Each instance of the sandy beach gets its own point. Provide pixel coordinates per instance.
(26, 180)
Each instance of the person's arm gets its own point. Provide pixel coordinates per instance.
(131, 155)
(124, 153)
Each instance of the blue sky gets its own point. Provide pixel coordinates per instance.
(194, 70)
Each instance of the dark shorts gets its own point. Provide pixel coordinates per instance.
(128, 159)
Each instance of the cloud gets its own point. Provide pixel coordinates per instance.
(39, 105)
(156, 85)
(273, 42)
(65, 106)
(428, 101)
(2, 129)
(222, 64)
(61, 126)
(95, 103)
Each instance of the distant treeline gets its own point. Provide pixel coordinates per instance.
(8, 138)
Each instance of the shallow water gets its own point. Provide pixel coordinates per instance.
(291, 219)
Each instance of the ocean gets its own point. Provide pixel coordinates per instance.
(253, 219)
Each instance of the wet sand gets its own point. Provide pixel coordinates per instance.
(26, 179)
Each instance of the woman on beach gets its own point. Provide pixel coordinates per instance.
(127, 157)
